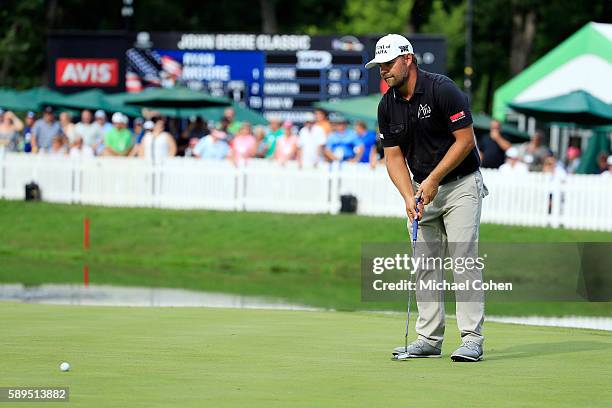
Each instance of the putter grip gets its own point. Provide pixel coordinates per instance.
(415, 223)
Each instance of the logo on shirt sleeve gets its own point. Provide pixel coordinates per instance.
(457, 116)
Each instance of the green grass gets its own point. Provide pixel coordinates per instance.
(151, 357)
(310, 259)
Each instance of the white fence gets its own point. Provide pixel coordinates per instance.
(580, 202)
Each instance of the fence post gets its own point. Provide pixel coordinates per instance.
(241, 180)
(334, 187)
(557, 192)
(2, 153)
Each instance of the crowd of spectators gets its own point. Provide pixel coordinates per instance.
(497, 152)
(319, 140)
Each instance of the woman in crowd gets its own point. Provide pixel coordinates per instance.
(244, 144)
(157, 145)
(10, 126)
(67, 126)
(286, 144)
(58, 146)
(262, 147)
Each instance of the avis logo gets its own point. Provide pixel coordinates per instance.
(86, 72)
(424, 111)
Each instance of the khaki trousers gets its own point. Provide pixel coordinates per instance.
(449, 228)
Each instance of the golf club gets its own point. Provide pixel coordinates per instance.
(415, 227)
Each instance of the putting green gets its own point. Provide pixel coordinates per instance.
(160, 357)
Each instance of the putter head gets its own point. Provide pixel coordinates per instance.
(400, 357)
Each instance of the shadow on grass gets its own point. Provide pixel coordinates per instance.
(528, 350)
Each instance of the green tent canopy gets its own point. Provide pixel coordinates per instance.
(482, 122)
(363, 108)
(599, 144)
(29, 100)
(11, 100)
(179, 97)
(92, 99)
(577, 107)
(582, 62)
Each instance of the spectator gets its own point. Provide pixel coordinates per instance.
(212, 147)
(260, 135)
(573, 159)
(244, 144)
(533, 152)
(608, 173)
(44, 131)
(10, 126)
(102, 128)
(138, 132)
(343, 144)
(118, 140)
(310, 145)
(58, 146)
(89, 132)
(196, 130)
(602, 162)
(368, 138)
(274, 133)
(224, 127)
(65, 119)
(513, 165)
(493, 147)
(286, 144)
(147, 127)
(554, 168)
(80, 150)
(233, 126)
(157, 145)
(27, 131)
(322, 121)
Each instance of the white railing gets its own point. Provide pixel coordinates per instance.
(580, 202)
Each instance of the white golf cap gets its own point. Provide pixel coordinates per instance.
(148, 125)
(118, 117)
(512, 153)
(389, 47)
(100, 114)
(609, 161)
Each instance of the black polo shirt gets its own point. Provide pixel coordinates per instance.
(423, 126)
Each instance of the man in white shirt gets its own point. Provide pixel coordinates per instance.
(86, 130)
(80, 150)
(310, 144)
(513, 166)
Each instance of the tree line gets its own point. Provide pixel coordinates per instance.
(508, 35)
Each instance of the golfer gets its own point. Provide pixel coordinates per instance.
(430, 151)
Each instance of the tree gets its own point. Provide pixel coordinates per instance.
(374, 17)
(268, 16)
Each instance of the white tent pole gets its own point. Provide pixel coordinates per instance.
(531, 126)
(564, 143)
(554, 138)
(521, 122)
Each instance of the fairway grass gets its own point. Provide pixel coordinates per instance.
(305, 259)
(199, 357)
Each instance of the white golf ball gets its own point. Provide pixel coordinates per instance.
(65, 366)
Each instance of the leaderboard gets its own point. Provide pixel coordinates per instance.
(281, 76)
(293, 82)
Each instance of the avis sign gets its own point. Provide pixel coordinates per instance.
(86, 72)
